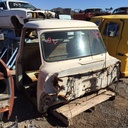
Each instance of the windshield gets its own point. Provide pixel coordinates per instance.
(64, 45)
(21, 5)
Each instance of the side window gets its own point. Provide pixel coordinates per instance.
(111, 29)
(3, 5)
(31, 36)
(118, 11)
(115, 11)
(97, 22)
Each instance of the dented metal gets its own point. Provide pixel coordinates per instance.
(65, 88)
(66, 60)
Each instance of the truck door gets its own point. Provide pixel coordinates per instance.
(111, 33)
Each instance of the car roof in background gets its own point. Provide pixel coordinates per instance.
(14, 1)
(112, 16)
(121, 8)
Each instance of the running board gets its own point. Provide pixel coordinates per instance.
(66, 112)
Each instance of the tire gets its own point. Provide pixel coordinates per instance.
(17, 26)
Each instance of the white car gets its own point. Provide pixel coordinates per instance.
(14, 13)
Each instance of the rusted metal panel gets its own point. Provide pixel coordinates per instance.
(6, 89)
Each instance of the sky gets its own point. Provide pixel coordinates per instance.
(78, 4)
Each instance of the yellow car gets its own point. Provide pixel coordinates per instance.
(114, 31)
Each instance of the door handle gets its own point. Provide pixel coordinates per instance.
(120, 54)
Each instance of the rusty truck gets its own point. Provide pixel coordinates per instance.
(63, 66)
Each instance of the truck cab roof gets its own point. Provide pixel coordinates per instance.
(56, 24)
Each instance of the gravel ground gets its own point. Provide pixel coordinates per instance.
(110, 114)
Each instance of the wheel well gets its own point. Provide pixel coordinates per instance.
(17, 25)
(14, 20)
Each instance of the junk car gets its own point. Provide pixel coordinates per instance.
(120, 10)
(88, 13)
(13, 14)
(60, 61)
(113, 29)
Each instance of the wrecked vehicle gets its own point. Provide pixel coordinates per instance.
(88, 13)
(60, 61)
(6, 91)
(13, 14)
(120, 10)
(113, 29)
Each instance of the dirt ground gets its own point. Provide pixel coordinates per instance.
(109, 114)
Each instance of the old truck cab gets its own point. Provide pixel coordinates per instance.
(62, 60)
(114, 29)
